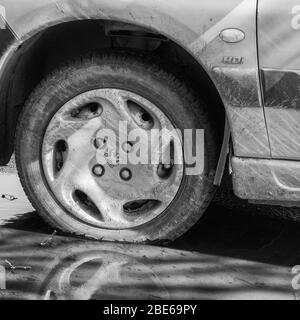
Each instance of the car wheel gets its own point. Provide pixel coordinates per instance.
(58, 147)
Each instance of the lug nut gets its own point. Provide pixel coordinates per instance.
(127, 146)
(98, 170)
(164, 171)
(125, 174)
(99, 143)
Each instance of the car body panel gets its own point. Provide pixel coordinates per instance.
(194, 25)
(276, 180)
(267, 181)
(279, 42)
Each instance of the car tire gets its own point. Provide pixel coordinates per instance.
(145, 78)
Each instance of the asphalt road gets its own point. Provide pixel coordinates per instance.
(236, 251)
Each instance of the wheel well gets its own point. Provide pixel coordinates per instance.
(45, 51)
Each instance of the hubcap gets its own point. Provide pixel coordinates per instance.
(108, 195)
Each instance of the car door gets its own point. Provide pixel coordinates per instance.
(279, 59)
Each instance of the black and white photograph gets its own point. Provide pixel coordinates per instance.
(149, 153)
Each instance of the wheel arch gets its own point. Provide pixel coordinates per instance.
(28, 59)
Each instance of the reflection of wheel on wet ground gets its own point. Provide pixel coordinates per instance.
(101, 275)
(58, 144)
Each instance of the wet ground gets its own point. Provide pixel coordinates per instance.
(235, 252)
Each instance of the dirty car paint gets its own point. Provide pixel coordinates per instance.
(279, 40)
